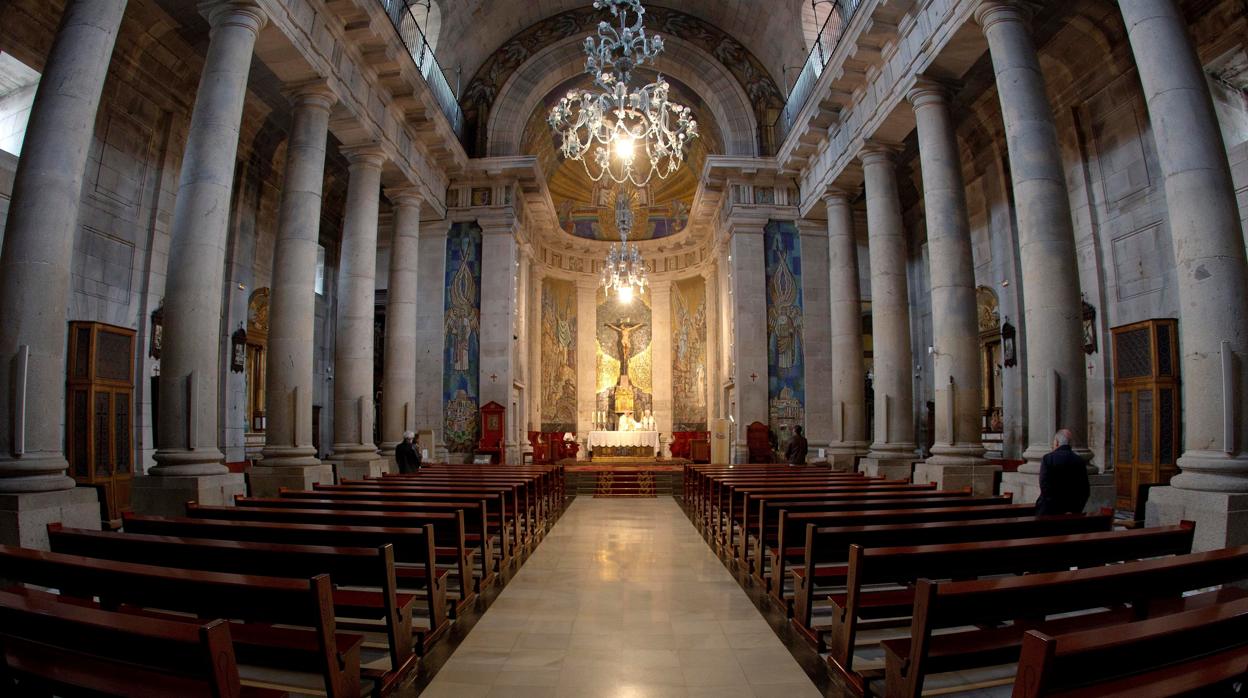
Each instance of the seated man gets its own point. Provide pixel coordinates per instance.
(1063, 479)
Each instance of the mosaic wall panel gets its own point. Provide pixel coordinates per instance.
(689, 355)
(624, 376)
(558, 355)
(461, 354)
(786, 383)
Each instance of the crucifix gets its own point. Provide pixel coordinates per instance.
(753, 377)
(493, 377)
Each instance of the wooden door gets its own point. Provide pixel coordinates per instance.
(100, 420)
(1146, 407)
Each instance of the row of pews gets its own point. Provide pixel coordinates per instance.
(909, 591)
(335, 591)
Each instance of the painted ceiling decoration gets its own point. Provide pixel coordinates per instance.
(479, 95)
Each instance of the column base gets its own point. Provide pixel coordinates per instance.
(167, 495)
(1026, 489)
(887, 468)
(981, 477)
(1221, 517)
(359, 469)
(24, 517)
(266, 480)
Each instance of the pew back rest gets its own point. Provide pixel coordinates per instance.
(448, 527)
(1137, 655)
(68, 648)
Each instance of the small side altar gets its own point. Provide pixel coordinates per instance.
(626, 444)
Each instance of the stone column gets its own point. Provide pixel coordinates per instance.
(289, 456)
(498, 311)
(748, 296)
(817, 338)
(586, 358)
(355, 454)
(714, 381)
(431, 338)
(537, 274)
(958, 452)
(35, 283)
(1212, 488)
(1053, 333)
(188, 456)
(893, 450)
(398, 382)
(848, 376)
(661, 361)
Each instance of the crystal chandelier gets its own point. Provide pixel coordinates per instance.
(644, 132)
(625, 270)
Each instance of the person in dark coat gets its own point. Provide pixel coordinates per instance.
(1063, 479)
(795, 454)
(406, 455)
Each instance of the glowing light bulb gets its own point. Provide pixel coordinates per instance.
(626, 294)
(624, 148)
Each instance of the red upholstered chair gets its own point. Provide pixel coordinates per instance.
(758, 443)
(680, 443)
(493, 426)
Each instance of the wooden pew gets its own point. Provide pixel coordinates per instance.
(501, 502)
(530, 509)
(721, 494)
(901, 566)
(477, 531)
(448, 532)
(699, 482)
(414, 549)
(1152, 587)
(50, 647)
(1188, 653)
(372, 568)
(545, 486)
(261, 603)
(791, 527)
(826, 555)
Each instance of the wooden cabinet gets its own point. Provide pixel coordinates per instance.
(1146, 406)
(100, 405)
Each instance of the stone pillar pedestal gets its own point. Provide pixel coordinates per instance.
(167, 495)
(24, 517)
(265, 481)
(361, 469)
(900, 468)
(980, 477)
(1221, 517)
(1025, 485)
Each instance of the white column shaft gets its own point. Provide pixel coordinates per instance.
(848, 378)
(398, 382)
(187, 441)
(38, 247)
(817, 335)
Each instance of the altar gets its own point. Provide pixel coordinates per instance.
(629, 444)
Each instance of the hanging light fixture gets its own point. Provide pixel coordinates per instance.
(625, 134)
(625, 270)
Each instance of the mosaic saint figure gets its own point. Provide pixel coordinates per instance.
(461, 318)
(784, 318)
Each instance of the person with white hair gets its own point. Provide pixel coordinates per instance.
(406, 455)
(1063, 478)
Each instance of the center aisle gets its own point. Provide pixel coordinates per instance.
(622, 599)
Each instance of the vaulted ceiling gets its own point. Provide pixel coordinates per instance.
(471, 30)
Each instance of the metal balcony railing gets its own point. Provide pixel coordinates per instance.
(826, 42)
(418, 48)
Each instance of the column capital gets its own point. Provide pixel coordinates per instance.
(238, 13)
(990, 12)
(407, 195)
(314, 94)
(660, 286)
(929, 92)
(879, 153)
(364, 155)
(835, 196)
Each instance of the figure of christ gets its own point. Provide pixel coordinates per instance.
(625, 330)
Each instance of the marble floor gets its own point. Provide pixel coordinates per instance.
(623, 599)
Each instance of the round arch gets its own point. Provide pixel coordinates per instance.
(550, 67)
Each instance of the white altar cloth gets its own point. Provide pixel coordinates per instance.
(616, 439)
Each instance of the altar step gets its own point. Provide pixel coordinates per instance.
(632, 483)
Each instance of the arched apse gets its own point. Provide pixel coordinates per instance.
(545, 71)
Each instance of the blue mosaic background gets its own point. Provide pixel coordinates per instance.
(786, 371)
(461, 353)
